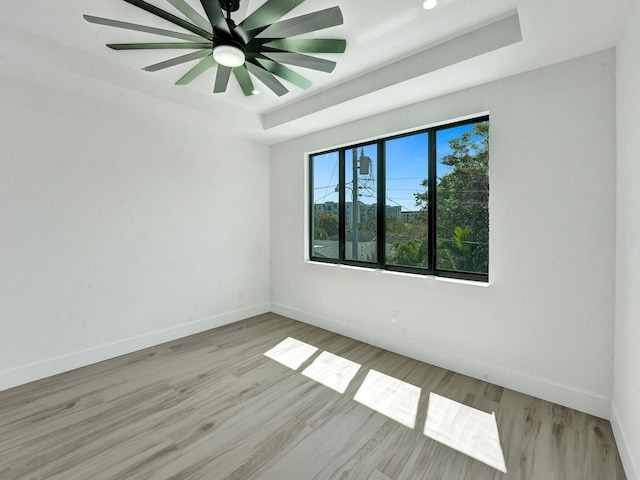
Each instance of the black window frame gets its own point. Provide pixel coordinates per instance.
(431, 270)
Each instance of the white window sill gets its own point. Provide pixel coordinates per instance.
(380, 271)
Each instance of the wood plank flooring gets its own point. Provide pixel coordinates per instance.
(212, 406)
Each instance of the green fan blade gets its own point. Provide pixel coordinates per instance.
(242, 75)
(304, 61)
(270, 12)
(178, 60)
(171, 18)
(200, 68)
(215, 14)
(140, 28)
(311, 22)
(189, 12)
(267, 78)
(222, 79)
(307, 45)
(284, 72)
(242, 34)
(157, 46)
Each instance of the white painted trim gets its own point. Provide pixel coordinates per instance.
(498, 375)
(404, 131)
(53, 366)
(631, 468)
(382, 271)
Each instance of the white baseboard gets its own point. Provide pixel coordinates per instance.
(498, 375)
(631, 468)
(53, 366)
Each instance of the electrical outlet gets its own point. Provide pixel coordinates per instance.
(395, 317)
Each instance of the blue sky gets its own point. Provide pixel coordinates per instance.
(406, 159)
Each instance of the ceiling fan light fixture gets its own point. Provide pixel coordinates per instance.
(238, 48)
(228, 55)
(429, 4)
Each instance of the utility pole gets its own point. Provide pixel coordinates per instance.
(355, 209)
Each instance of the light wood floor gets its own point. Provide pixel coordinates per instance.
(212, 406)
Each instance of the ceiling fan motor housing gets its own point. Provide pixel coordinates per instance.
(231, 42)
(230, 5)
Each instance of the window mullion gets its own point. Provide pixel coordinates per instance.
(432, 199)
(382, 206)
(341, 206)
(311, 205)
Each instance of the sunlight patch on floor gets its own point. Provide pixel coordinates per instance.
(332, 371)
(465, 429)
(291, 352)
(389, 396)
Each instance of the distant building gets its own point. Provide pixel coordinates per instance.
(367, 212)
(408, 217)
(327, 207)
(394, 212)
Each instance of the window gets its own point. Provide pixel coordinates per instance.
(415, 203)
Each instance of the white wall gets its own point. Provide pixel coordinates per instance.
(544, 326)
(126, 221)
(626, 394)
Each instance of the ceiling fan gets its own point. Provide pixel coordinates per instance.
(258, 47)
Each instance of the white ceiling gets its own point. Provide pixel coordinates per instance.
(385, 39)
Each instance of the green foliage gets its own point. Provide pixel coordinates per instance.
(462, 198)
(325, 225)
(462, 252)
(409, 253)
(319, 234)
(462, 205)
(395, 227)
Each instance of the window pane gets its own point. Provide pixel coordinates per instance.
(462, 198)
(326, 212)
(361, 203)
(407, 228)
